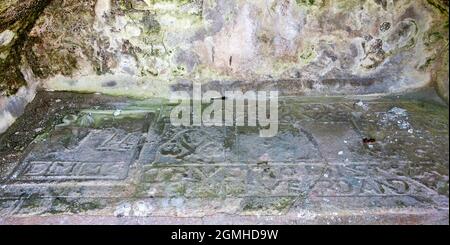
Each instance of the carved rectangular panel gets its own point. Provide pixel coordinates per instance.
(80, 154)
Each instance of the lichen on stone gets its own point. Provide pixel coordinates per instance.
(400, 44)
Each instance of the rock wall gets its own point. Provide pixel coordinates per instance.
(145, 48)
(17, 17)
(141, 47)
(17, 83)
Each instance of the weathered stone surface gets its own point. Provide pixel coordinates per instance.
(87, 154)
(16, 20)
(141, 47)
(17, 83)
(335, 160)
(146, 48)
(185, 145)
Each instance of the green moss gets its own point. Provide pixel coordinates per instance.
(348, 4)
(150, 24)
(63, 205)
(283, 203)
(443, 189)
(438, 6)
(432, 38)
(32, 202)
(207, 193)
(308, 55)
(44, 135)
(179, 71)
(125, 4)
(180, 190)
(233, 190)
(305, 2)
(275, 204)
(19, 17)
(179, 2)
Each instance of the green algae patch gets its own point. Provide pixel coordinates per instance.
(62, 205)
(267, 205)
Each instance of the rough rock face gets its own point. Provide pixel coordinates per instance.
(17, 85)
(16, 20)
(144, 48)
(305, 46)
